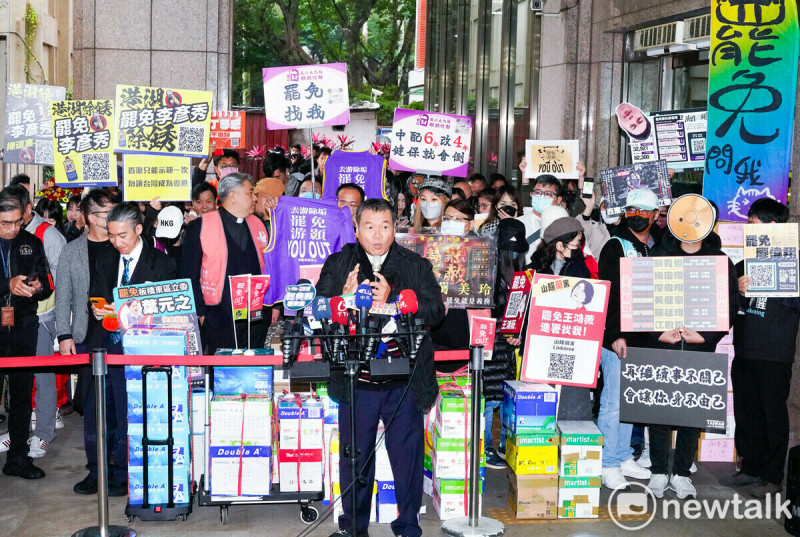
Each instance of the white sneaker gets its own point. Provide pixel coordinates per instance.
(631, 468)
(613, 478)
(644, 458)
(59, 421)
(5, 442)
(682, 486)
(37, 447)
(658, 484)
(693, 469)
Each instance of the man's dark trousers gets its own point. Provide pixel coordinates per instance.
(404, 438)
(19, 340)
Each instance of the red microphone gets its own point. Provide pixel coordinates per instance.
(407, 302)
(339, 311)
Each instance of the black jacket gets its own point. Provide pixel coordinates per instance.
(27, 258)
(609, 270)
(571, 268)
(711, 245)
(766, 328)
(403, 269)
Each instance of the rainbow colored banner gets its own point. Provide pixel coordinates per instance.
(751, 98)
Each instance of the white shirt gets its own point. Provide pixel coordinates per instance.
(134, 257)
(533, 224)
(377, 260)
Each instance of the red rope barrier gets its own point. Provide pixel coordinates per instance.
(45, 361)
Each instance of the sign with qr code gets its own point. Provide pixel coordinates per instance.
(28, 134)
(148, 176)
(666, 387)
(617, 182)
(161, 121)
(82, 143)
(678, 137)
(663, 293)
(771, 259)
(519, 297)
(430, 143)
(566, 324)
(150, 310)
(306, 96)
(227, 129)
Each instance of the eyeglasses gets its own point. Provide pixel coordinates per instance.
(461, 219)
(5, 224)
(545, 193)
(228, 167)
(633, 211)
(485, 206)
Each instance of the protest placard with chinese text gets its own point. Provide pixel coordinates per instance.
(558, 158)
(247, 295)
(566, 324)
(771, 259)
(162, 121)
(617, 182)
(481, 334)
(428, 142)
(357, 167)
(306, 96)
(519, 297)
(28, 136)
(148, 176)
(82, 143)
(227, 129)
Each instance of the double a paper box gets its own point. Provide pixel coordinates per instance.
(533, 496)
(255, 380)
(300, 427)
(387, 502)
(134, 372)
(251, 464)
(453, 415)
(198, 456)
(237, 420)
(383, 467)
(451, 497)
(529, 407)
(157, 411)
(157, 455)
(535, 453)
(145, 341)
(450, 458)
(306, 478)
(157, 490)
(578, 497)
(330, 407)
(160, 431)
(581, 449)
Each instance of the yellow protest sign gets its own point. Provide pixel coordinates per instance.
(162, 121)
(82, 143)
(148, 176)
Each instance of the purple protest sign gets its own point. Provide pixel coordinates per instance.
(358, 167)
(430, 143)
(306, 96)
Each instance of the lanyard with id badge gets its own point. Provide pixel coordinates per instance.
(7, 312)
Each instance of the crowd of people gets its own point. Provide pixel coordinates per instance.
(54, 260)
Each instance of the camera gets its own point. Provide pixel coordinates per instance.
(537, 5)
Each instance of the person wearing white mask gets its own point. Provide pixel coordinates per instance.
(459, 217)
(546, 192)
(434, 194)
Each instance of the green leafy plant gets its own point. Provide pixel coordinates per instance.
(31, 24)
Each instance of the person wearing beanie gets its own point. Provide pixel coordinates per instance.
(434, 194)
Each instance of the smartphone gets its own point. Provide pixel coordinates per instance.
(98, 301)
(588, 188)
(30, 279)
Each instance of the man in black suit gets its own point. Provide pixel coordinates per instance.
(132, 261)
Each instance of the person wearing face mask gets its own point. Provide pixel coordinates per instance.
(546, 192)
(501, 203)
(458, 218)
(434, 194)
(226, 161)
(634, 238)
(306, 187)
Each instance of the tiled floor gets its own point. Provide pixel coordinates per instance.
(49, 508)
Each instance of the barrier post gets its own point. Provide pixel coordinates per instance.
(99, 370)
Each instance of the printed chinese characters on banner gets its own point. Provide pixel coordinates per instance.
(306, 96)
(148, 176)
(162, 121)
(82, 143)
(566, 324)
(428, 142)
(519, 298)
(28, 135)
(751, 100)
(227, 129)
(771, 259)
(357, 167)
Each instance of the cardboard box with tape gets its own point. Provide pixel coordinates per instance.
(581, 449)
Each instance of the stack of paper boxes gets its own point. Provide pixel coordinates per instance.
(300, 443)
(157, 428)
(241, 432)
(448, 456)
(529, 419)
(579, 470)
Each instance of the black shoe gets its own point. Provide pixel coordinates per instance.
(86, 487)
(24, 468)
(66, 409)
(116, 488)
(345, 533)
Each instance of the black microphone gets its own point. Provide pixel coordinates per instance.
(363, 303)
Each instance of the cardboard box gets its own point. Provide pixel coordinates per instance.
(386, 502)
(330, 407)
(160, 431)
(239, 421)
(535, 453)
(451, 497)
(255, 380)
(157, 411)
(198, 456)
(716, 450)
(157, 491)
(134, 372)
(199, 410)
(453, 415)
(146, 341)
(300, 427)
(338, 510)
(533, 496)
(251, 462)
(581, 449)
(306, 478)
(528, 407)
(579, 497)
(450, 458)
(157, 455)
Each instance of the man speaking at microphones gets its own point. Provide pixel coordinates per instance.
(399, 269)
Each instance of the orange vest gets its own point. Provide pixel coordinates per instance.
(215, 253)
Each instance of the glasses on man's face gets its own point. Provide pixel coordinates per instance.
(485, 207)
(6, 224)
(545, 193)
(633, 211)
(461, 219)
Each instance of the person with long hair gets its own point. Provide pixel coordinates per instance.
(434, 194)
(505, 203)
(51, 211)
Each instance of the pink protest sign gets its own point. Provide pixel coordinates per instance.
(428, 142)
(306, 96)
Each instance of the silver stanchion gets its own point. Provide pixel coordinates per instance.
(102, 529)
(473, 525)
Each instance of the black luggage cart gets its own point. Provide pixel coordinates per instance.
(308, 513)
(170, 510)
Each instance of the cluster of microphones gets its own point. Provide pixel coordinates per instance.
(345, 335)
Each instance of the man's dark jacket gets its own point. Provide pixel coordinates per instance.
(27, 258)
(403, 269)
